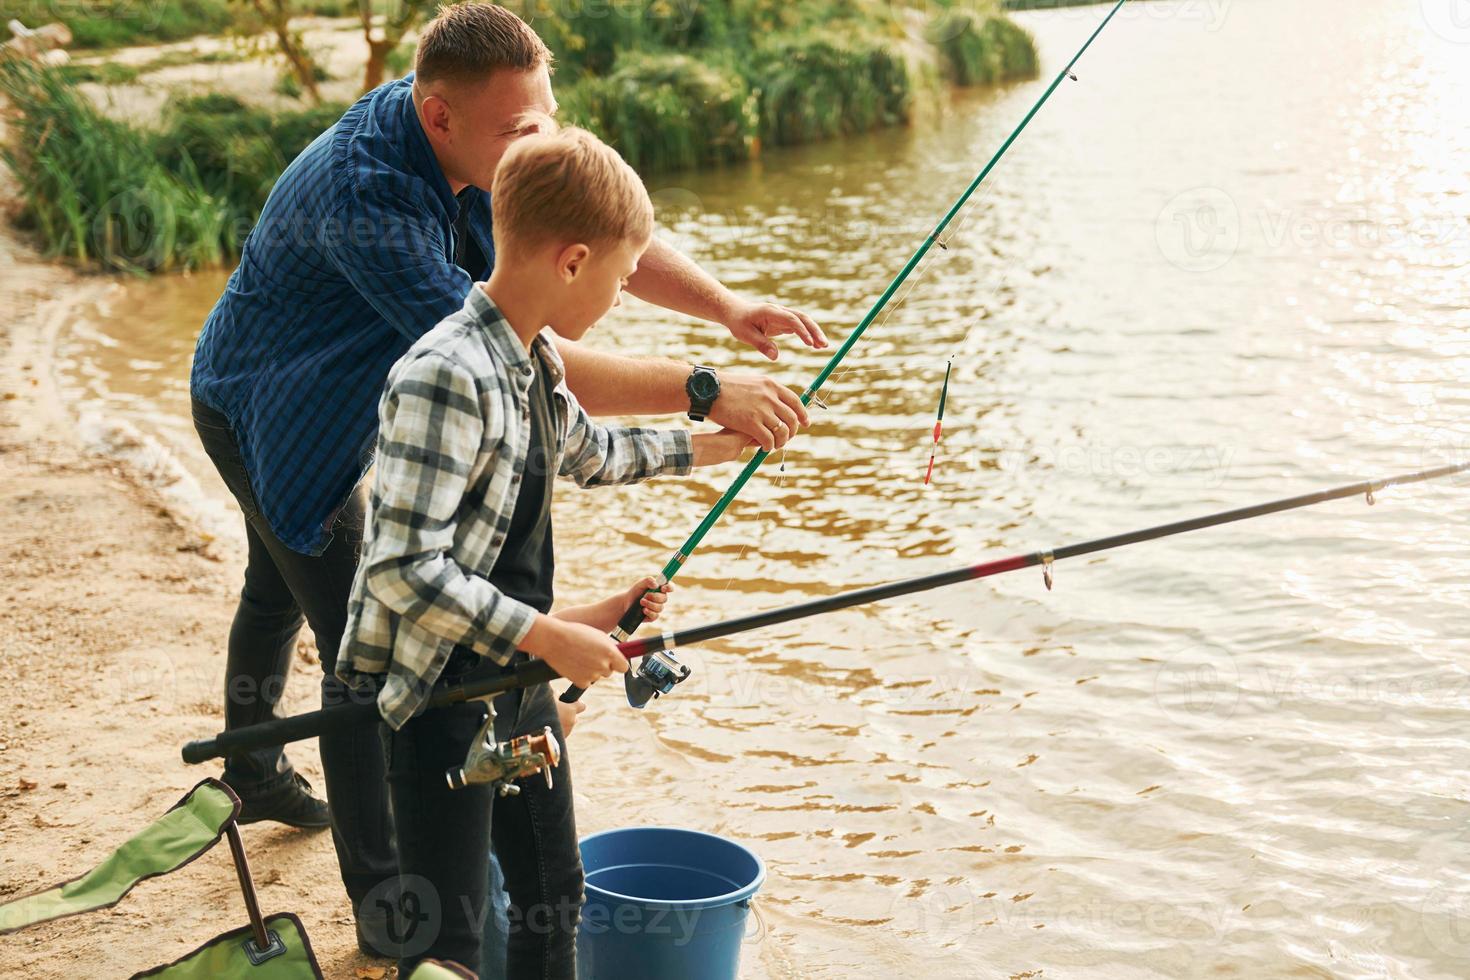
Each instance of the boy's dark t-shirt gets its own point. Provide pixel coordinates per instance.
(525, 567)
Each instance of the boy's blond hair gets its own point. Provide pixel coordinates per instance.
(564, 185)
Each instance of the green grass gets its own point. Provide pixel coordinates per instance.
(116, 23)
(96, 190)
(812, 70)
(981, 48)
(673, 111)
(1048, 4)
(116, 73)
(235, 150)
(666, 112)
(815, 87)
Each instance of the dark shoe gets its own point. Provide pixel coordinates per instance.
(293, 805)
(373, 939)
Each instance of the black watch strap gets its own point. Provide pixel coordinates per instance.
(703, 387)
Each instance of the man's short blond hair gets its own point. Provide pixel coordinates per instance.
(560, 186)
(470, 41)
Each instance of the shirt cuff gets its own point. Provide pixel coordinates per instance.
(678, 450)
(502, 636)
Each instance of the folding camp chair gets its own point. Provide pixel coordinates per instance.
(269, 948)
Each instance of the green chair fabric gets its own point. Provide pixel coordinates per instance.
(190, 828)
(227, 957)
(434, 970)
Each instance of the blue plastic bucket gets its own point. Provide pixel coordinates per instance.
(664, 904)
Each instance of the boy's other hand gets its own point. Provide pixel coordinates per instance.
(712, 448)
(582, 654)
(649, 595)
(756, 323)
(567, 714)
(768, 412)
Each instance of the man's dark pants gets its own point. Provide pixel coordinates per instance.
(283, 589)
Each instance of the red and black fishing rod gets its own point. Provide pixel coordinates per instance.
(646, 646)
(533, 672)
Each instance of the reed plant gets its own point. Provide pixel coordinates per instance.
(981, 47)
(114, 23)
(815, 86)
(93, 188)
(236, 151)
(666, 112)
(97, 190)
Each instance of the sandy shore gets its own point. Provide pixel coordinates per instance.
(112, 624)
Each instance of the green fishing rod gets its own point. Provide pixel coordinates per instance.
(641, 685)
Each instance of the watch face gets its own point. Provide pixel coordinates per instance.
(703, 386)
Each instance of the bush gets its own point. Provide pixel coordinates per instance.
(98, 190)
(591, 39)
(666, 112)
(95, 190)
(114, 23)
(238, 151)
(981, 49)
(817, 87)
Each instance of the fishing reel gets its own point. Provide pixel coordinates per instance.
(656, 675)
(500, 764)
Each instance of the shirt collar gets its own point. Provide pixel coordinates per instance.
(504, 341)
(420, 153)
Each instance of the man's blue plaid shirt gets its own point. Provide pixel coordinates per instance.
(351, 262)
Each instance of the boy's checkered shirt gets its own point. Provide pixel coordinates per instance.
(454, 428)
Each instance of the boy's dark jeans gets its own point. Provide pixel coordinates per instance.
(282, 589)
(444, 839)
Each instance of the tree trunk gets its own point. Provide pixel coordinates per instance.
(278, 14)
(377, 62)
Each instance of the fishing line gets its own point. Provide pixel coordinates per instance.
(633, 618)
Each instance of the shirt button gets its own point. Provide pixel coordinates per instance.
(497, 541)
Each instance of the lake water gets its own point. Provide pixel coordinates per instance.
(1228, 264)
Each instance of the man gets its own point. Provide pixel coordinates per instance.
(370, 237)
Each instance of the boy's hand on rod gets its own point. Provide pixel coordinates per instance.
(712, 448)
(582, 654)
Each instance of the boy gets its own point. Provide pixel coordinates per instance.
(456, 571)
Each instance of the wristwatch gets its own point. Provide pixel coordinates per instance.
(703, 387)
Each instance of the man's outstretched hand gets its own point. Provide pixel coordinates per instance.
(757, 323)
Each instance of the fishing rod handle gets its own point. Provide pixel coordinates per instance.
(344, 717)
(323, 721)
(627, 626)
